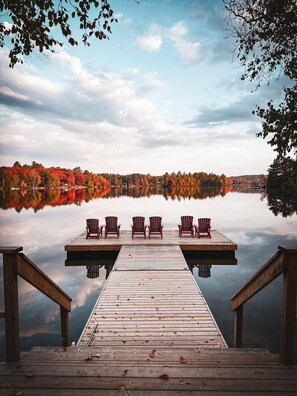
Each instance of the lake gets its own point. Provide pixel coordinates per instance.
(244, 217)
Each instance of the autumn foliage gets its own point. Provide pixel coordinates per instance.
(37, 176)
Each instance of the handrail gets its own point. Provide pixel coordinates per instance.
(14, 264)
(284, 261)
(265, 275)
(33, 275)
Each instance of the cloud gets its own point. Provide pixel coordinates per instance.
(242, 102)
(235, 112)
(150, 84)
(189, 52)
(152, 41)
(82, 96)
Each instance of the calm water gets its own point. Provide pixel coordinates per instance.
(243, 217)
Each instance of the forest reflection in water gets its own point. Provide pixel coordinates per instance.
(279, 201)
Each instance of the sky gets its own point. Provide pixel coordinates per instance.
(163, 94)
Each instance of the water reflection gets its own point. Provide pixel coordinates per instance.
(93, 270)
(280, 202)
(204, 270)
(38, 199)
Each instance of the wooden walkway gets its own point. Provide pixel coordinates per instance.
(151, 298)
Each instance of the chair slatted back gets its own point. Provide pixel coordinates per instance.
(204, 224)
(138, 223)
(155, 223)
(92, 225)
(111, 223)
(187, 223)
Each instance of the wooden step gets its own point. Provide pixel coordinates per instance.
(147, 371)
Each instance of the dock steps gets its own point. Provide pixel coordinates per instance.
(139, 371)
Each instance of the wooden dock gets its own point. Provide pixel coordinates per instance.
(151, 333)
(151, 298)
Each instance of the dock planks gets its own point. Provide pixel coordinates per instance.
(134, 371)
(151, 298)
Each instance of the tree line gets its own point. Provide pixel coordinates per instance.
(167, 180)
(36, 176)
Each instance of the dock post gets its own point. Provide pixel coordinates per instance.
(289, 307)
(11, 304)
(238, 327)
(65, 329)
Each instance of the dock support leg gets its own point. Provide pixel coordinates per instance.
(11, 307)
(65, 330)
(238, 327)
(289, 309)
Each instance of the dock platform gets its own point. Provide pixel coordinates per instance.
(218, 241)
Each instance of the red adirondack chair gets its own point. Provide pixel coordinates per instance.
(203, 227)
(93, 229)
(112, 226)
(156, 226)
(186, 226)
(138, 227)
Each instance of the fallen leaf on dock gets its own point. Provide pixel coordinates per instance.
(125, 372)
(164, 377)
(122, 388)
(152, 354)
(16, 392)
(88, 357)
(182, 360)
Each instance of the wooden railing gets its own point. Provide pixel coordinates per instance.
(283, 262)
(14, 264)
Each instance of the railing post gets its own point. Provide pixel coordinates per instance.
(65, 329)
(11, 305)
(238, 326)
(289, 307)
